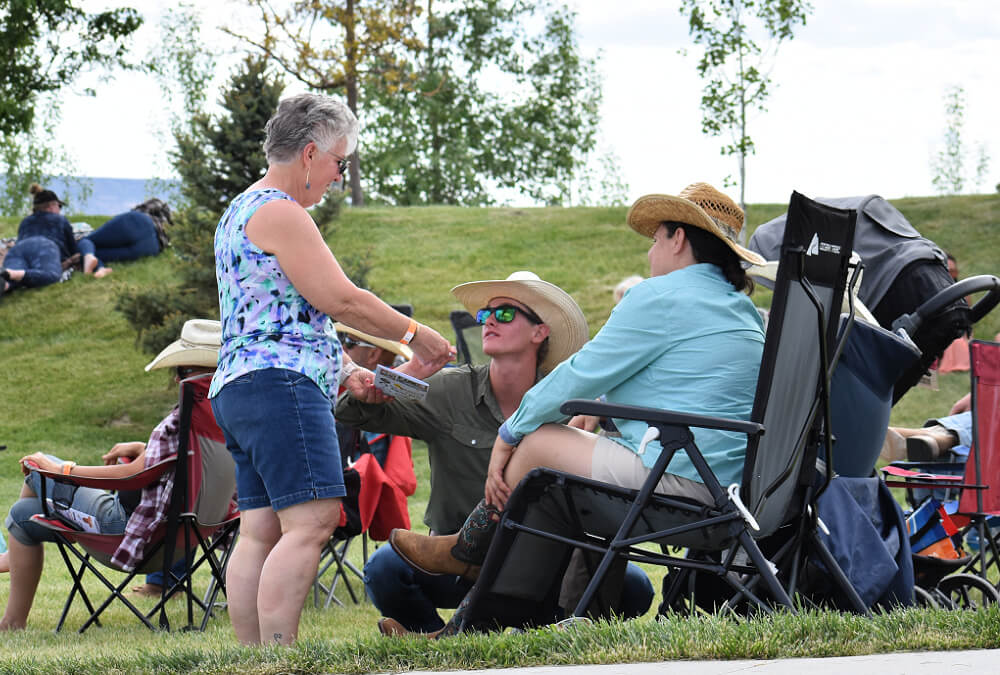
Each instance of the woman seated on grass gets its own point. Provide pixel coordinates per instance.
(195, 353)
(687, 339)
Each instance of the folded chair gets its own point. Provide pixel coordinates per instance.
(978, 483)
(551, 513)
(201, 525)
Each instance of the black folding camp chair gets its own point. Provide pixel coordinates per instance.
(200, 528)
(551, 513)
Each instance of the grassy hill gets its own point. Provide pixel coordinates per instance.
(73, 383)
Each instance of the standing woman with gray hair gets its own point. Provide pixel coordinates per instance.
(280, 364)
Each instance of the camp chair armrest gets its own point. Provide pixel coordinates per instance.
(630, 412)
(135, 482)
(930, 467)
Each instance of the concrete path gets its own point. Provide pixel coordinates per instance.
(980, 662)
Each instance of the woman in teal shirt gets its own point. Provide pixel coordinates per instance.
(687, 339)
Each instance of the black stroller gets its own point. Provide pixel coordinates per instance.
(907, 283)
(902, 271)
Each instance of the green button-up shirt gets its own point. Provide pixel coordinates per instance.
(458, 420)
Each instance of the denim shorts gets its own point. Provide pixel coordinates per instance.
(104, 506)
(279, 427)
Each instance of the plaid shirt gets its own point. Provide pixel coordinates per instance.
(152, 509)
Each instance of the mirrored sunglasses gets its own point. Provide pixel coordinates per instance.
(505, 314)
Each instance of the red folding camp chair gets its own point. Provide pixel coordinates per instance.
(979, 485)
(201, 525)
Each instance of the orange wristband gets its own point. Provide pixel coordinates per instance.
(68, 467)
(411, 332)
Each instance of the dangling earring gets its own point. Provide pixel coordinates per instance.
(307, 177)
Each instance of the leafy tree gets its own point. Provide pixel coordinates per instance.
(218, 157)
(45, 44)
(948, 166)
(735, 67)
(449, 139)
(333, 47)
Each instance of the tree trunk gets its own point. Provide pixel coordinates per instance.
(357, 195)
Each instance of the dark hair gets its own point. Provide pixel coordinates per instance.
(543, 351)
(707, 248)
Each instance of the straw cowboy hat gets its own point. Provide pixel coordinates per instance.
(198, 346)
(389, 345)
(700, 205)
(568, 329)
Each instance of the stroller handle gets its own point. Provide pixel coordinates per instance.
(984, 282)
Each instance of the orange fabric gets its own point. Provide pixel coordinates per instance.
(941, 549)
(381, 502)
(955, 358)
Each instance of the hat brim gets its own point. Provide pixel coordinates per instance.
(395, 347)
(177, 354)
(568, 330)
(649, 211)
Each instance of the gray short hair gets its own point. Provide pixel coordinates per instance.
(304, 118)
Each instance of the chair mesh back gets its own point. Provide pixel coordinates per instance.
(814, 257)
(984, 359)
(468, 338)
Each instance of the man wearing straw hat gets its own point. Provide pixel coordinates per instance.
(529, 327)
(136, 514)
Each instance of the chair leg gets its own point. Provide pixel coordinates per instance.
(763, 566)
(838, 575)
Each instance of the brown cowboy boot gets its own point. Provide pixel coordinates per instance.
(459, 554)
(392, 628)
(431, 554)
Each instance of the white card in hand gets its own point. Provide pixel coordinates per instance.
(399, 385)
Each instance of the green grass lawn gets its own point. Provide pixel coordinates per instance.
(73, 385)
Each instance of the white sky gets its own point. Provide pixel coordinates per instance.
(858, 107)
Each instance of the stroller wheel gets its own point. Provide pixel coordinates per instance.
(968, 591)
(925, 599)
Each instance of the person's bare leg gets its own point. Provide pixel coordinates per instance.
(4, 562)
(259, 532)
(25, 572)
(290, 568)
(556, 446)
(89, 263)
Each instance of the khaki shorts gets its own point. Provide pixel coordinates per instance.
(614, 463)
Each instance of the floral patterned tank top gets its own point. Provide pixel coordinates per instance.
(265, 322)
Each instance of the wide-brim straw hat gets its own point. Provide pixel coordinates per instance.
(568, 330)
(700, 205)
(198, 346)
(389, 345)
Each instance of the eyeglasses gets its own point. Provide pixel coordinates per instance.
(505, 314)
(341, 162)
(350, 343)
(183, 372)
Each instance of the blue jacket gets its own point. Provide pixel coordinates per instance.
(52, 226)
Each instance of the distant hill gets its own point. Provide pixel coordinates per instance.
(109, 196)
